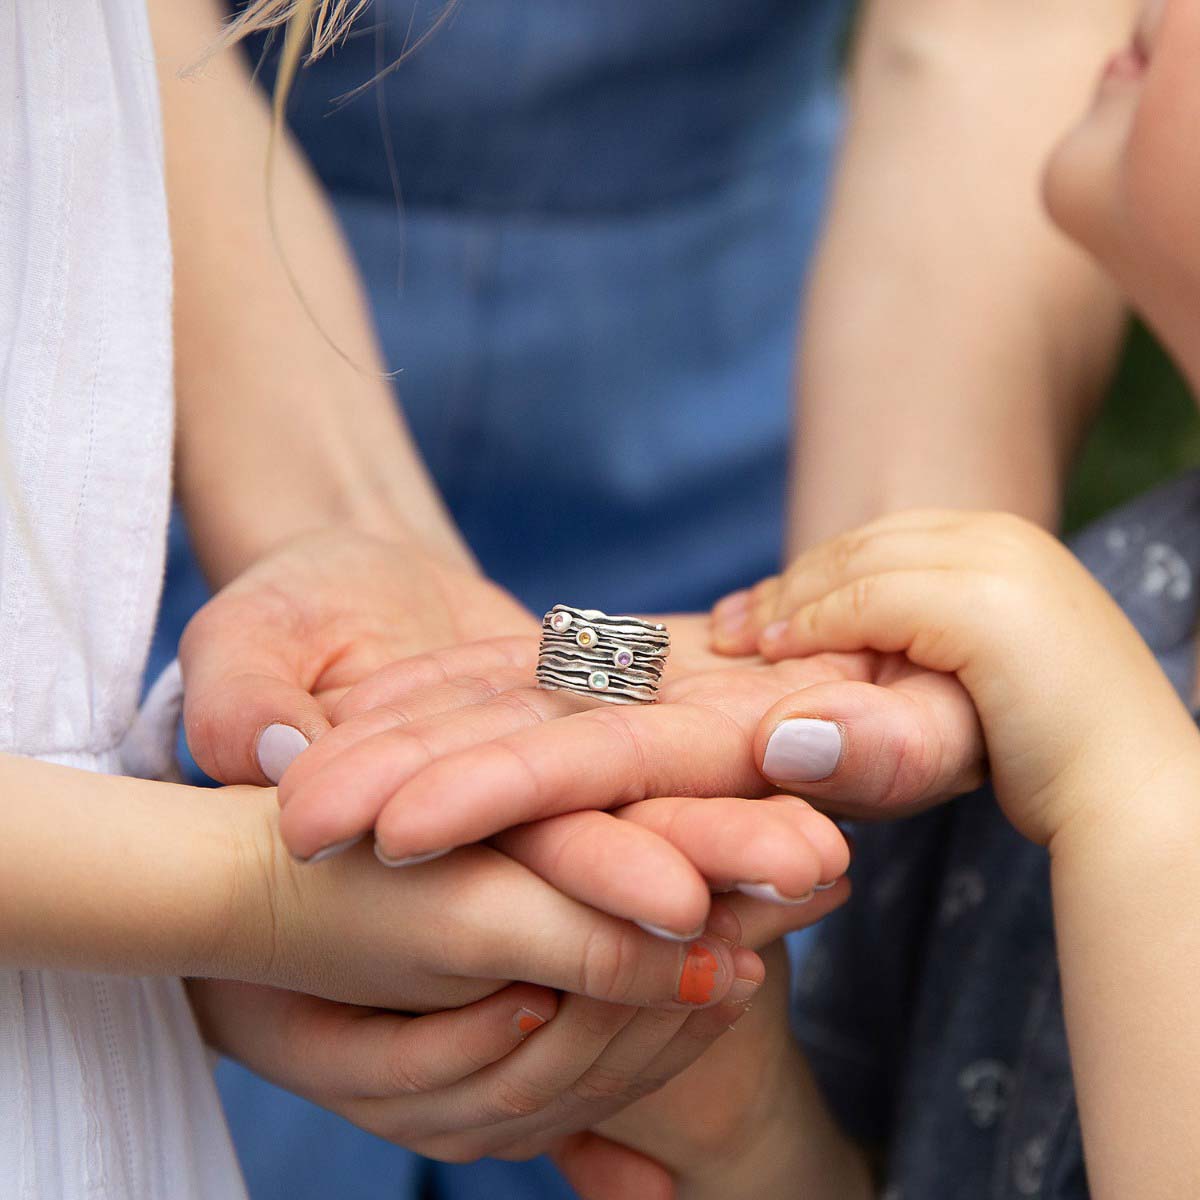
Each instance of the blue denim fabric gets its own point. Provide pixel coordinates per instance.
(591, 294)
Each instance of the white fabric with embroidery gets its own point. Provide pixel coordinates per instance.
(105, 1090)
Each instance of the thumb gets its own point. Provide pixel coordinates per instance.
(871, 751)
(247, 709)
(602, 1170)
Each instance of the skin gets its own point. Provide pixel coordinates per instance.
(946, 315)
(271, 475)
(1108, 789)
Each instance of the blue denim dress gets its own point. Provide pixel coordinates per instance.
(590, 291)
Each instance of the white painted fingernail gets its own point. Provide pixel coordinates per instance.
(278, 747)
(669, 934)
(332, 851)
(803, 750)
(413, 860)
(770, 893)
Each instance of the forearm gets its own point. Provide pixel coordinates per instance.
(108, 874)
(1126, 898)
(955, 344)
(285, 422)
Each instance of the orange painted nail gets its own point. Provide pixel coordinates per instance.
(698, 979)
(527, 1021)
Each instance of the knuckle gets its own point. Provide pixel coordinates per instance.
(860, 595)
(404, 1076)
(512, 1099)
(602, 1084)
(611, 964)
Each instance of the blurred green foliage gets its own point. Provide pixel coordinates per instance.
(1148, 430)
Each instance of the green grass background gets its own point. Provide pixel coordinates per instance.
(1147, 430)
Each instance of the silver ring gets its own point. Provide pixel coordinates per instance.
(616, 659)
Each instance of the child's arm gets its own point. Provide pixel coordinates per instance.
(1093, 756)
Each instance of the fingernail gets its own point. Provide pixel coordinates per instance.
(526, 1021)
(824, 887)
(770, 893)
(803, 750)
(734, 603)
(742, 990)
(775, 631)
(669, 934)
(698, 979)
(331, 851)
(278, 747)
(413, 860)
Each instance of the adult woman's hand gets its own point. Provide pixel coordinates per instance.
(482, 754)
(266, 659)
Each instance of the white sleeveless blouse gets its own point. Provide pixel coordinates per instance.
(105, 1091)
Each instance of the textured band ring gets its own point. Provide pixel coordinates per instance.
(616, 659)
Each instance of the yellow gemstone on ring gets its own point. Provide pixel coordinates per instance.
(586, 637)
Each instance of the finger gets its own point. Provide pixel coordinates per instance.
(780, 849)
(764, 923)
(248, 712)
(868, 751)
(323, 1048)
(599, 1169)
(399, 1056)
(618, 867)
(738, 619)
(403, 680)
(598, 759)
(561, 943)
(337, 790)
(514, 1092)
(639, 1059)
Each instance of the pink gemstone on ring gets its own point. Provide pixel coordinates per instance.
(560, 622)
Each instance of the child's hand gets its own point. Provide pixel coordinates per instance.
(1064, 686)
(747, 1120)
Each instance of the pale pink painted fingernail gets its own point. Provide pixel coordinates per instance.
(770, 893)
(278, 747)
(413, 860)
(802, 750)
(824, 887)
(331, 851)
(669, 935)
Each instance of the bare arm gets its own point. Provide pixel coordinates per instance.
(278, 434)
(955, 344)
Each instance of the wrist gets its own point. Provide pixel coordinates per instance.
(791, 1146)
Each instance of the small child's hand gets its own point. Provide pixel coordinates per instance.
(747, 1120)
(1064, 686)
